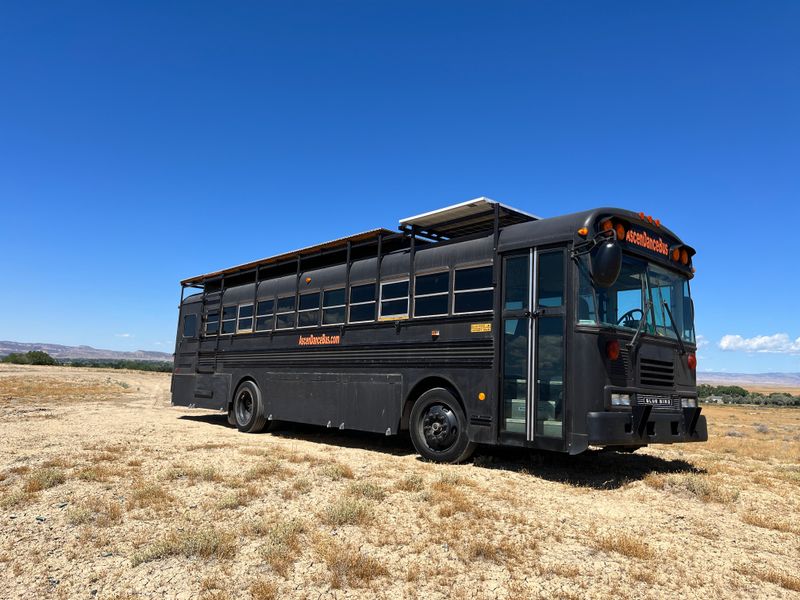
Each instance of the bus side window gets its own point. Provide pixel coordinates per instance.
(431, 294)
(394, 299)
(308, 315)
(473, 291)
(245, 323)
(362, 303)
(229, 319)
(333, 307)
(189, 326)
(264, 312)
(284, 313)
(212, 323)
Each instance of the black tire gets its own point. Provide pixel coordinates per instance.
(438, 428)
(248, 408)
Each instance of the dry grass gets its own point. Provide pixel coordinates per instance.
(241, 497)
(43, 479)
(366, 490)
(203, 543)
(269, 468)
(97, 511)
(22, 387)
(264, 590)
(281, 544)
(701, 486)
(149, 495)
(347, 511)
(786, 581)
(347, 565)
(410, 483)
(337, 471)
(769, 522)
(13, 498)
(625, 544)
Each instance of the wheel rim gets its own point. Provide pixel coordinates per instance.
(439, 427)
(244, 407)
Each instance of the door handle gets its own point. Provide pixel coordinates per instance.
(530, 314)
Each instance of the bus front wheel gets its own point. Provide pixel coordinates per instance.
(248, 408)
(438, 428)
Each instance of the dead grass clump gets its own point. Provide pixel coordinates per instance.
(13, 498)
(701, 486)
(337, 471)
(20, 470)
(44, 479)
(96, 473)
(149, 495)
(347, 511)
(103, 513)
(241, 497)
(270, 467)
(60, 463)
(366, 489)
(282, 544)
(203, 543)
(264, 590)
(483, 549)
(348, 566)
(410, 483)
(754, 518)
(193, 474)
(786, 581)
(207, 446)
(625, 544)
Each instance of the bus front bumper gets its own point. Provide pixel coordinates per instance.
(642, 425)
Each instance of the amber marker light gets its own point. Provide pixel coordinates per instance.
(691, 360)
(308, 280)
(612, 349)
(658, 222)
(676, 254)
(684, 257)
(620, 229)
(607, 225)
(481, 396)
(583, 232)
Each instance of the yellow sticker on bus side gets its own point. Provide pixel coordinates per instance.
(480, 327)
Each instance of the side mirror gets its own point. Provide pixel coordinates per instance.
(606, 262)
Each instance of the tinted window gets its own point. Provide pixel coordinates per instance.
(333, 297)
(189, 325)
(246, 311)
(264, 323)
(284, 321)
(394, 307)
(308, 318)
(432, 284)
(212, 323)
(470, 279)
(551, 279)
(333, 316)
(516, 282)
(431, 305)
(362, 293)
(265, 307)
(362, 312)
(228, 312)
(285, 304)
(309, 301)
(229, 326)
(395, 290)
(473, 301)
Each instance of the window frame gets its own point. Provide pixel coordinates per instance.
(194, 328)
(307, 310)
(239, 318)
(397, 316)
(205, 323)
(483, 289)
(374, 301)
(323, 308)
(447, 293)
(271, 315)
(277, 313)
(223, 320)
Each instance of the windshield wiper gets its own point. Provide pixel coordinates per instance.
(674, 328)
(642, 321)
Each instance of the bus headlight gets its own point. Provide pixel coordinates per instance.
(620, 399)
(688, 402)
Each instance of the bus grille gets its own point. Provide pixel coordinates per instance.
(657, 373)
(618, 369)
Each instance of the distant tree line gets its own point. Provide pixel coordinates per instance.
(733, 394)
(37, 357)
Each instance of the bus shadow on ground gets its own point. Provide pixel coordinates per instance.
(396, 445)
(596, 469)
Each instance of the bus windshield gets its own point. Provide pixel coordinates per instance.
(640, 284)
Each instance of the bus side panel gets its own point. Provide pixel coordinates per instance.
(201, 391)
(366, 402)
(183, 389)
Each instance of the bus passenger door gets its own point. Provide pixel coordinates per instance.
(533, 346)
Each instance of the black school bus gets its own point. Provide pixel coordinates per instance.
(473, 324)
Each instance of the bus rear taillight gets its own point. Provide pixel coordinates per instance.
(612, 349)
(692, 361)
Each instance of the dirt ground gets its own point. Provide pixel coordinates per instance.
(108, 492)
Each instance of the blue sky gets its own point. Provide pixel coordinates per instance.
(141, 143)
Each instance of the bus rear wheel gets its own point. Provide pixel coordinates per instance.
(248, 408)
(438, 428)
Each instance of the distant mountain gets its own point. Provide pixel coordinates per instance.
(789, 380)
(68, 352)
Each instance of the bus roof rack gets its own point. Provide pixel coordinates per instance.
(333, 245)
(466, 218)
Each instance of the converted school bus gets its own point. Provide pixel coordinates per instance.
(474, 324)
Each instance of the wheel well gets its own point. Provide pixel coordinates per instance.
(236, 387)
(422, 386)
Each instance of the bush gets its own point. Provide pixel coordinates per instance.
(34, 357)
